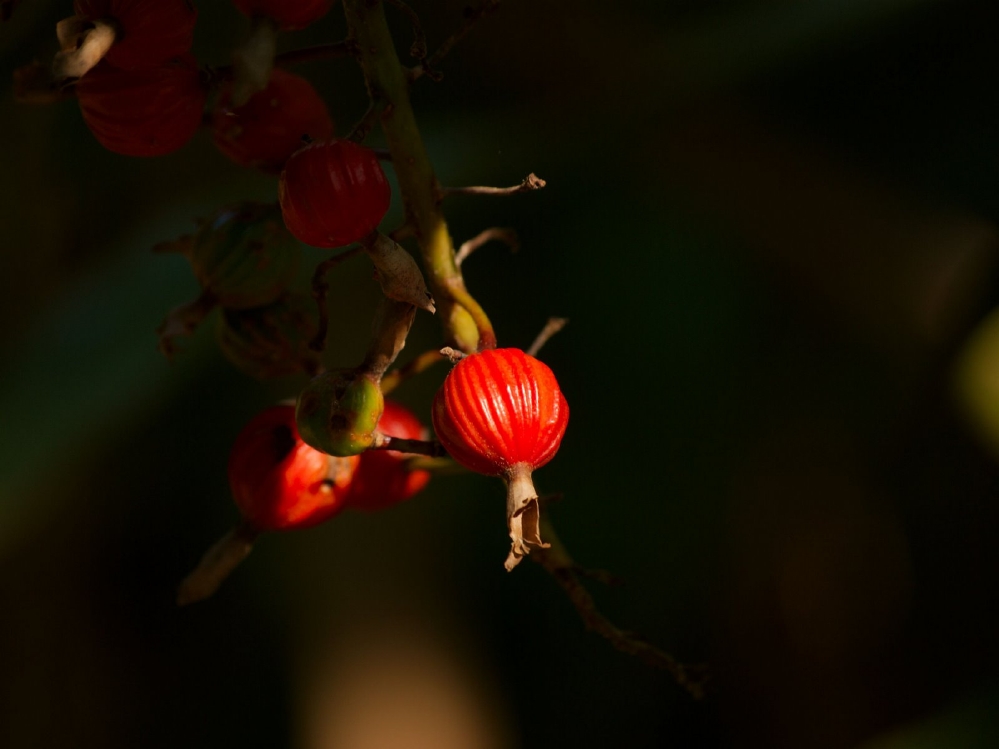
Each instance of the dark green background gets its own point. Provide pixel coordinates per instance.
(772, 226)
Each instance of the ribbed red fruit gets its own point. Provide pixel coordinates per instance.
(333, 193)
(501, 412)
(279, 482)
(382, 478)
(287, 14)
(268, 129)
(143, 112)
(149, 32)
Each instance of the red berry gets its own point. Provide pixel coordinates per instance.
(268, 129)
(279, 482)
(501, 413)
(500, 408)
(287, 14)
(149, 32)
(382, 478)
(333, 193)
(143, 113)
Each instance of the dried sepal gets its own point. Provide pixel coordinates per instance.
(522, 515)
(398, 274)
(182, 321)
(83, 44)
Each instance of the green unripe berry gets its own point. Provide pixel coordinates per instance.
(338, 412)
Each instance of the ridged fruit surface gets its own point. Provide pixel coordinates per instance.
(333, 193)
(500, 408)
(268, 129)
(151, 31)
(147, 112)
(280, 483)
(245, 256)
(382, 478)
(287, 14)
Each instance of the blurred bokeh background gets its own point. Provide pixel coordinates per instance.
(773, 226)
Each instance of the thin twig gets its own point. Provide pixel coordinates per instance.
(33, 84)
(217, 564)
(436, 466)
(430, 448)
(330, 51)
(530, 183)
(472, 16)
(418, 49)
(320, 287)
(498, 233)
(405, 231)
(553, 326)
(559, 564)
(420, 364)
(360, 131)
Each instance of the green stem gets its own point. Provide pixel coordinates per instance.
(466, 325)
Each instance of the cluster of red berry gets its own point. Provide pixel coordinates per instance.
(280, 483)
(500, 412)
(146, 97)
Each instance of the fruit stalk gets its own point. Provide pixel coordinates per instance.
(466, 325)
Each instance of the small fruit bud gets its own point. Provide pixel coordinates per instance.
(271, 341)
(333, 193)
(244, 256)
(338, 412)
(501, 413)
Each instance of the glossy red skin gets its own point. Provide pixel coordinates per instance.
(277, 480)
(382, 479)
(499, 408)
(333, 193)
(143, 112)
(152, 31)
(288, 14)
(268, 129)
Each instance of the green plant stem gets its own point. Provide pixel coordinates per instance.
(466, 325)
